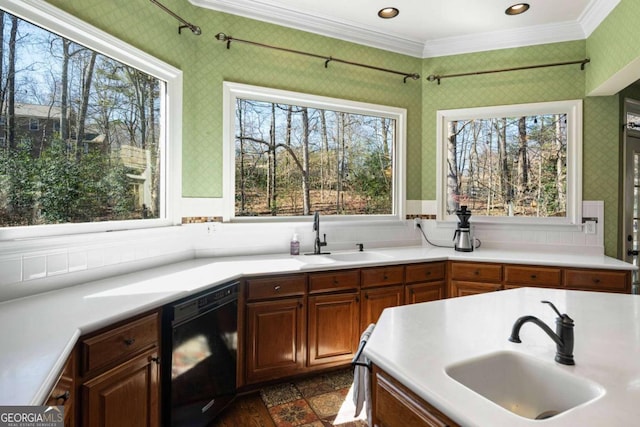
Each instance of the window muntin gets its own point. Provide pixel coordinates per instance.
(352, 155)
(519, 163)
(168, 132)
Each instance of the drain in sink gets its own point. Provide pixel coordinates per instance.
(546, 415)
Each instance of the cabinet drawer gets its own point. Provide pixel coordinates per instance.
(275, 287)
(597, 280)
(119, 343)
(381, 276)
(333, 281)
(536, 276)
(424, 272)
(476, 272)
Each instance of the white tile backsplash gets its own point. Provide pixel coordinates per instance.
(81, 257)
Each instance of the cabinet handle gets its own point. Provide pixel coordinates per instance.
(476, 272)
(129, 341)
(533, 276)
(64, 397)
(596, 280)
(335, 282)
(156, 360)
(366, 295)
(385, 277)
(357, 298)
(300, 305)
(276, 288)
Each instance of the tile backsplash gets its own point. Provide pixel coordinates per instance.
(41, 265)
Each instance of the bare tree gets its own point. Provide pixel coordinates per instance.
(11, 83)
(523, 160)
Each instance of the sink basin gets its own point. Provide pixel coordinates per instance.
(524, 385)
(359, 256)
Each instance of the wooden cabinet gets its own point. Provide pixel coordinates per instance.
(373, 301)
(470, 278)
(63, 392)
(275, 334)
(520, 275)
(333, 329)
(598, 280)
(394, 405)
(125, 396)
(119, 374)
(424, 282)
(381, 287)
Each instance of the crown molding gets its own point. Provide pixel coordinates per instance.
(265, 10)
(595, 13)
(322, 25)
(528, 36)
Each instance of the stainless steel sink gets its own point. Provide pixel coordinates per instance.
(525, 385)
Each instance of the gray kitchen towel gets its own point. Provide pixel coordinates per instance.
(362, 378)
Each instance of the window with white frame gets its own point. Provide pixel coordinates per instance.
(512, 163)
(292, 154)
(76, 171)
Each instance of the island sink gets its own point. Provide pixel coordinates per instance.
(524, 385)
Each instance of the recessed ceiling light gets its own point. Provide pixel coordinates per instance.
(388, 13)
(517, 9)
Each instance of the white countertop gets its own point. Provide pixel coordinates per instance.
(415, 343)
(39, 332)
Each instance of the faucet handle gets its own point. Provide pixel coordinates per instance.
(564, 317)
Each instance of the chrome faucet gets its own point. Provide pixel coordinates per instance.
(563, 337)
(318, 244)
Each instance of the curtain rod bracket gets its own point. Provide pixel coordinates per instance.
(326, 63)
(194, 28)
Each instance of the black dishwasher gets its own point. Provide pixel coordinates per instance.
(199, 349)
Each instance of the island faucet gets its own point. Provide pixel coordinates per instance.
(316, 227)
(563, 337)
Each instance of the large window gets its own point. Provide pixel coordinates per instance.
(295, 154)
(519, 162)
(99, 148)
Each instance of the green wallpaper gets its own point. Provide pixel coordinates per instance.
(600, 142)
(206, 63)
(613, 44)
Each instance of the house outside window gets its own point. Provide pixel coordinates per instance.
(85, 152)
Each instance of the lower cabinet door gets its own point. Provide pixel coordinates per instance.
(374, 301)
(125, 396)
(275, 334)
(424, 292)
(333, 329)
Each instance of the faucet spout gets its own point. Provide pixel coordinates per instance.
(318, 244)
(563, 337)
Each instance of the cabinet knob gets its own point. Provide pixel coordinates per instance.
(477, 272)
(366, 295)
(276, 288)
(129, 341)
(596, 280)
(156, 360)
(533, 276)
(385, 277)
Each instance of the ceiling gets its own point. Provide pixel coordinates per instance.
(429, 28)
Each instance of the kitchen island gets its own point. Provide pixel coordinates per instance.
(417, 344)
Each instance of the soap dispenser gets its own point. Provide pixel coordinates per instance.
(295, 245)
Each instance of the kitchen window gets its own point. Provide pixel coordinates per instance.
(291, 154)
(106, 152)
(512, 164)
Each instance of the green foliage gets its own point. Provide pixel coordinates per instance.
(61, 186)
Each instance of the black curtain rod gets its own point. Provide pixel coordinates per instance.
(327, 59)
(438, 77)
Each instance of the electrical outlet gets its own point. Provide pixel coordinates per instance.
(590, 227)
(211, 228)
(416, 222)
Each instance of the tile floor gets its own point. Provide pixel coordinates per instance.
(321, 401)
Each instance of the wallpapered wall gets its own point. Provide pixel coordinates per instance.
(613, 44)
(600, 138)
(206, 63)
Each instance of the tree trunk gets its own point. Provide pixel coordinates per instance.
(84, 101)
(561, 132)
(271, 174)
(306, 202)
(503, 161)
(453, 191)
(324, 155)
(523, 159)
(241, 173)
(64, 91)
(11, 84)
